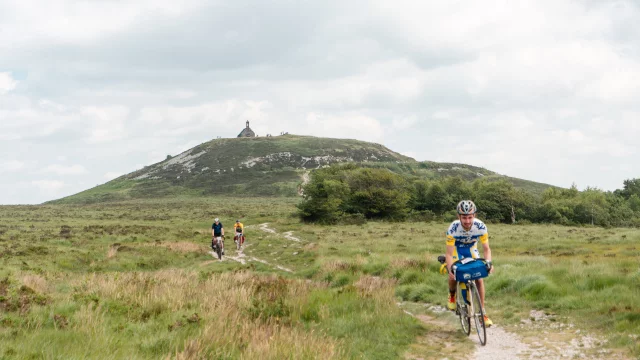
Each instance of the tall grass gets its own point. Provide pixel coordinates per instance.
(174, 313)
(134, 280)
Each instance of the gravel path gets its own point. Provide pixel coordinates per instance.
(501, 345)
(543, 337)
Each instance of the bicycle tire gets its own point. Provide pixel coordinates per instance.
(478, 315)
(463, 311)
(219, 251)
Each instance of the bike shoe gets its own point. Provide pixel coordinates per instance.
(451, 304)
(487, 321)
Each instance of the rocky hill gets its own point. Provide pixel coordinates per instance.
(263, 166)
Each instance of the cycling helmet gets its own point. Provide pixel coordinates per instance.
(216, 220)
(466, 207)
(237, 220)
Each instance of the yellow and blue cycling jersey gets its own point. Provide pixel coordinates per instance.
(465, 242)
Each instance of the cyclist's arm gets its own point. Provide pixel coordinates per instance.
(451, 242)
(222, 231)
(486, 252)
(449, 257)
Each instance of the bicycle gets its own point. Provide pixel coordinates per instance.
(468, 304)
(239, 240)
(217, 245)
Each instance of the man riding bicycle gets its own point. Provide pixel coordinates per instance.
(462, 240)
(217, 234)
(238, 228)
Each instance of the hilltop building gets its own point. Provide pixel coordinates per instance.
(247, 132)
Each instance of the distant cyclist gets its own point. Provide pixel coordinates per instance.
(238, 228)
(217, 233)
(462, 240)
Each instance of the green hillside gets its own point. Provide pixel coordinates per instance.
(266, 166)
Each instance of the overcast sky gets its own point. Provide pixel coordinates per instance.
(541, 90)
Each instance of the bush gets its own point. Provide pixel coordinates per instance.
(351, 194)
(353, 219)
(422, 215)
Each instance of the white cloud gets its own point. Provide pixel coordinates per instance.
(23, 118)
(403, 123)
(66, 170)
(48, 185)
(7, 83)
(345, 126)
(541, 90)
(68, 21)
(12, 165)
(108, 123)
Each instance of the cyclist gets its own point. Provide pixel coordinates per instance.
(462, 240)
(217, 233)
(238, 228)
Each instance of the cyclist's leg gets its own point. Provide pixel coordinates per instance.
(481, 291)
(480, 285)
(451, 302)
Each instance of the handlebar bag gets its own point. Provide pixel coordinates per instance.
(470, 270)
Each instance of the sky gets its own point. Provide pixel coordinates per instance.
(541, 90)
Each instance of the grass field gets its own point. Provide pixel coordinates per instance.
(135, 280)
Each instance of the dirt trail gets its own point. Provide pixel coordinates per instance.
(543, 338)
(243, 259)
(265, 227)
(305, 180)
(501, 345)
(287, 235)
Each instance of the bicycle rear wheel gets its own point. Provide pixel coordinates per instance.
(478, 314)
(463, 309)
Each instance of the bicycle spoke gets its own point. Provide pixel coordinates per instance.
(478, 315)
(465, 319)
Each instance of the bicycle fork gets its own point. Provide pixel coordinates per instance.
(465, 295)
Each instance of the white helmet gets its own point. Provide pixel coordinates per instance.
(216, 220)
(466, 207)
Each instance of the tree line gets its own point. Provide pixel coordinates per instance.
(350, 193)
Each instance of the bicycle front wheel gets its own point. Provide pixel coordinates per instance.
(478, 314)
(463, 308)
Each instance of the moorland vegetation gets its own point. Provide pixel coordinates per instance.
(135, 280)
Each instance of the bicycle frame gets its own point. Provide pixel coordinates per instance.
(218, 243)
(238, 239)
(468, 304)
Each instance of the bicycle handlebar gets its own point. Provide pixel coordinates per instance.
(442, 260)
